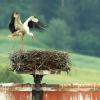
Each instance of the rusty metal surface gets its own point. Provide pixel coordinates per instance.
(72, 87)
(10, 91)
(72, 92)
(69, 95)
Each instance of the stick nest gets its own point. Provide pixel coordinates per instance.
(30, 61)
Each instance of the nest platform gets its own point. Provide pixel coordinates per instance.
(40, 62)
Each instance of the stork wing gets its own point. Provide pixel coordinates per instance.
(37, 25)
(12, 25)
(33, 22)
(18, 24)
(15, 23)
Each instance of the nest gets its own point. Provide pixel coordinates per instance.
(30, 61)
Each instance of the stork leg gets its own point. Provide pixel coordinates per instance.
(21, 43)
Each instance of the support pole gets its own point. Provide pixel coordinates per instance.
(37, 92)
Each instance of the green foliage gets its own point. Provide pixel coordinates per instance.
(87, 43)
(85, 69)
(76, 22)
(7, 76)
(58, 35)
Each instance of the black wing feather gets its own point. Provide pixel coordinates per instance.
(36, 25)
(12, 24)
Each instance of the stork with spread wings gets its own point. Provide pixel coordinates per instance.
(18, 28)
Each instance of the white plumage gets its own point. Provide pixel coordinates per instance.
(18, 28)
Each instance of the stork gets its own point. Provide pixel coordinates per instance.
(17, 28)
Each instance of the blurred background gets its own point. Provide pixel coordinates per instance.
(71, 25)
